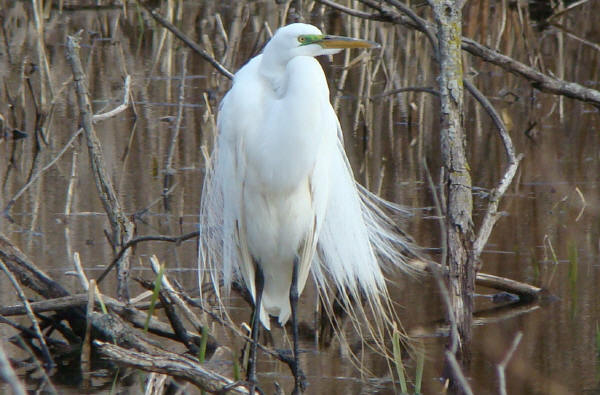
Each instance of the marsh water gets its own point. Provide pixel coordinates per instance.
(548, 235)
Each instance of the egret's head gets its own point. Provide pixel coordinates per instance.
(299, 39)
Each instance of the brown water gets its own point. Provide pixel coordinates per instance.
(552, 205)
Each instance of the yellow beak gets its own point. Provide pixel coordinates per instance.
(340, 42)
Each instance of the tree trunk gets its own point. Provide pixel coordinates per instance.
(457, 178)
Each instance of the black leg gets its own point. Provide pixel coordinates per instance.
(259, 283)
(295, 365)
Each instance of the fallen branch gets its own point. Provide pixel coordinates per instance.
(27, 272)
(150, 357)
(170, 364)
(525, 292)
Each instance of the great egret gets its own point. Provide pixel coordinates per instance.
(279, 198)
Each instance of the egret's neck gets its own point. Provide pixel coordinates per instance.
(272, 68)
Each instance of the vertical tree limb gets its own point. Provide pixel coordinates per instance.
(121, 226)
(457, 180)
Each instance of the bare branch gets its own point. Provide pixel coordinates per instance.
(502, 365)
(122, 227)
(171, 364)
(8, 375)
(458, 374)
(180, 35)
(133, 242)
(122, 107)
(169, 171)
(45, 351)
(491, 214)
(538, 79)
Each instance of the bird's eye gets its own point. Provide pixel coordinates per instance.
(301, 39)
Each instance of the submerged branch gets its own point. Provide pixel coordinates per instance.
(524, 291)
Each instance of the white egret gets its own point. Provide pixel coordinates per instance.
(280, 200)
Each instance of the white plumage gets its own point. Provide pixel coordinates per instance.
(279, 185)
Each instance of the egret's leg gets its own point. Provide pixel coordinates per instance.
(259, 282)
(295, 366)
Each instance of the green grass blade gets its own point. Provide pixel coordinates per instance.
(157, 286)
(203, 342)
(398, 361)
(419, 372)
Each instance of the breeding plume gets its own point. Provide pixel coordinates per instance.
(280, 201)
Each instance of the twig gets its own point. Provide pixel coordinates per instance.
(131, 243)
(80, 272)
(425, 89)
(119, 109)
(169, 171)
(583, 203)
(166, 285)
(66, 147)
(174, 320)
(71, 186)
(567, 9)
(39, 24)
(575, 37)
(122, 227)
(458, 374)
(37, 175)
(424, 27)
(179, 34)
(502, 365)
(45, 352)
(8, 375)
(49, 387)
(86, 347)
(491, 214)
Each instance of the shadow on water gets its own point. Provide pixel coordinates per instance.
(549, 233)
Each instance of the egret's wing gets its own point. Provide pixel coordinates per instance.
(223, 253)
(344, 240)
(220, 206)
(357, 241)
